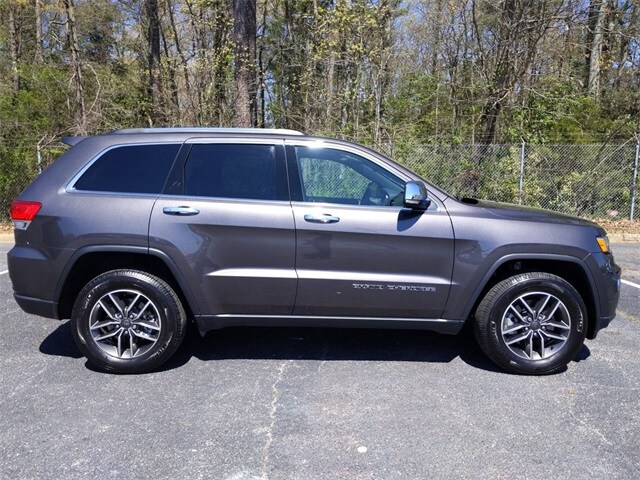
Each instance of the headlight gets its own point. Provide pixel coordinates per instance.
(603, 243)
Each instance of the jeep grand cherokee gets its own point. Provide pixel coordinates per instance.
(133, 233)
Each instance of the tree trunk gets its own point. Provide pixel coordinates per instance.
(330, 86)
(261, 85)
(501, 78)
(38, 17)
(244, 34)
(14, 46)
(593, 82)
(173, 84)
(80, 127)
(153, 40)
(183, 60)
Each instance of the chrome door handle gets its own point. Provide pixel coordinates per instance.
(183, 211)
(321, 218)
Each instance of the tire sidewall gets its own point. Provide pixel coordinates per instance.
(168, 310)
(575, 307)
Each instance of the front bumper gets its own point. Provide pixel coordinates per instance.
(37, 306)
(606, 275)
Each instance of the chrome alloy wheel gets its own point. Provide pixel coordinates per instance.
(125, 323)
(536, 325)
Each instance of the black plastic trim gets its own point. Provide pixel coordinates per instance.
(531, 256)
(214, 322)
(127, 249)
(38, 306)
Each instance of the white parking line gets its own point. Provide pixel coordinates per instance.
(627, 282)
(7, 271)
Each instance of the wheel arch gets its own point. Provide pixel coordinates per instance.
(89, 262)
(571, 269)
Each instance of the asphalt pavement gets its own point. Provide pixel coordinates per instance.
(258, 403)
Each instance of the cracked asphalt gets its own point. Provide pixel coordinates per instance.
(257, 403)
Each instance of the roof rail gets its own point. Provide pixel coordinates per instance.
(279, 131)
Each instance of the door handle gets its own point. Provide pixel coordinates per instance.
(183, 211)
(321, 218)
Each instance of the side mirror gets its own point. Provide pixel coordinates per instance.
(415, 196)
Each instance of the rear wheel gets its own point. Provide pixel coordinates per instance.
(532, 323)
(128, 321)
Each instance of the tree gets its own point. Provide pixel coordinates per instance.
(518, 26)
(80, 118)
(14, 45)
(153, 60)
(244, 35)
(598, 14)
(38, 25)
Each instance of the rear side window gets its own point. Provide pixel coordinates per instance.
(130, 169)
(253, 172)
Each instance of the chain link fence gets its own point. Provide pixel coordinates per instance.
(597, 180)
(21, 160)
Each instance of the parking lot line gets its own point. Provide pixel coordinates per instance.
(4, 271)
(627, 282)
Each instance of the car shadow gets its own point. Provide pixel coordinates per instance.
(329, 344)
(325, 344)
(60, 343)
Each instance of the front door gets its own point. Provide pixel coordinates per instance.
(359, 253)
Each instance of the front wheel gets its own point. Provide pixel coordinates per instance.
(531, 323)
(128, 321)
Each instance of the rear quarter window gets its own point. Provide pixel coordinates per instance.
(130, 169)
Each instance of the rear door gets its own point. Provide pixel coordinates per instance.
(225, 219)
(359, 252)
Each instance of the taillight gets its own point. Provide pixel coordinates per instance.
(24, 211)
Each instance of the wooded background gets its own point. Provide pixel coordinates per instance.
(387, 73)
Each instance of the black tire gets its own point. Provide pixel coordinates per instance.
(503, 319)
(134, 345)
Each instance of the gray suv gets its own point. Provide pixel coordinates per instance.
(133, 233)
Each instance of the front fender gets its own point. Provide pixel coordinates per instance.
(468, 287)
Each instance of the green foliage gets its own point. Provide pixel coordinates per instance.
(560, 112)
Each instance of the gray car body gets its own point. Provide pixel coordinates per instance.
(248, 262)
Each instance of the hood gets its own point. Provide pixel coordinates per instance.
(532, 214)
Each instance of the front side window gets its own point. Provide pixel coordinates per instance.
(252, 172)
(334, 176)
(130, 169)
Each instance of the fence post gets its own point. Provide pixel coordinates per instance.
(520, 192)
(634, 186)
